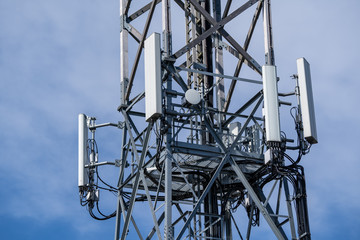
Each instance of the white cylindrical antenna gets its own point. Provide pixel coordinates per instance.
(82, 151)
(271, 104)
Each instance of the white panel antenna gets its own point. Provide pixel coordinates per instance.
(306, 101)
(152, 55)
(271, 104)
(82, 151)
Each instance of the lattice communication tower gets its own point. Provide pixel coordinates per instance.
(201, 146)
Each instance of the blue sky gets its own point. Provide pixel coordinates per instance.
(59, 58)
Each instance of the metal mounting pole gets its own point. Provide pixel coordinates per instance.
(122, 167)
(168, 229)
(124, 75)
(219, 62)
(269, 48)
(124, 59)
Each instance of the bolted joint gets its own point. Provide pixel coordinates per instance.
(124, 23)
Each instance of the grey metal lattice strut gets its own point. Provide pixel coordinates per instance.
(288, 205)
(119, 208)
(241, 61)
(139, 50)
(217, 26)
(257, 201)
(224, 160)
(251, 61)
(140, 161)
(278, 232)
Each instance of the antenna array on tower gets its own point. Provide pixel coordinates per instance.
(198, 141)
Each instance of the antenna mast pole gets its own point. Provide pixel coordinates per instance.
(269, 46)
(167, 40)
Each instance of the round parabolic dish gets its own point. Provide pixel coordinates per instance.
(192, 96)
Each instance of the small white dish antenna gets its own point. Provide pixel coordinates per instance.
(192, 96)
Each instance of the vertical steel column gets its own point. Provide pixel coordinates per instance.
(269, 48)
(227, 222)
(166, 19)
(188, 38)
(124, 60)
(198, 51)
(121, 177)
(208, 62)
(211, 210)
(207, 51)
(219, 62)
(167, 45)
(124, 78)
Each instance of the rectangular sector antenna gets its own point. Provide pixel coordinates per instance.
(152, 57)
(271, 104)
(306, 100)
(82, 151)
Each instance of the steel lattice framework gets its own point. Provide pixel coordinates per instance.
(195, 164)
